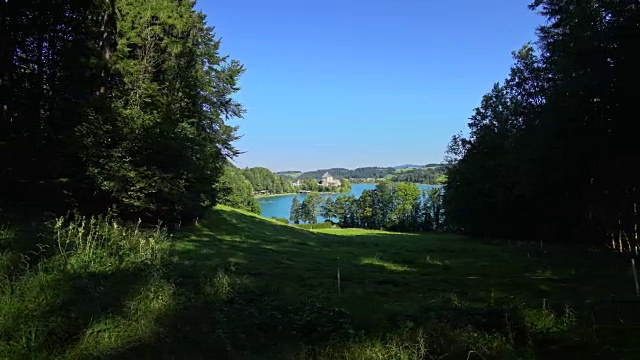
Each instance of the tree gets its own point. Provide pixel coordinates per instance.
(340, 206)
(549, 150)
(489, 187)
(406, 196)
(366, 210)
(311, 208)
(263, 179)
(236, 191)
(310, 184)
(434, 207)
(295, 214)
(328, 210)
(111, 103)
(345, 186)
(384, 205)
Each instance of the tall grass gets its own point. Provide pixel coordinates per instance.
(93, 286)
(101, 239)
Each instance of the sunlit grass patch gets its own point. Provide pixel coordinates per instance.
(240, 286)
(386, 264)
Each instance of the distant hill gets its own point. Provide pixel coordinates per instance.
(407, 166)
(290, 174)
(427, 174)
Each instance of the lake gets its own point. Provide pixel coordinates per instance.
(280, 206)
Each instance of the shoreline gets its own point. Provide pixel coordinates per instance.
(275, 195)
(331, 193)
(378, 182)
(272, 195)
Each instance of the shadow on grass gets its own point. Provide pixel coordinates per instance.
(251, 288)
(48, 311)
(243, 287)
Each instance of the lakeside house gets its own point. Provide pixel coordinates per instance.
(328, 180)
(297, 183)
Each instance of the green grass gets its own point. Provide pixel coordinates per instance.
(238, 286)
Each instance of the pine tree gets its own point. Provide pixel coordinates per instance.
(295, 212)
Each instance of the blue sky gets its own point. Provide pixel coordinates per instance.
(351, 83)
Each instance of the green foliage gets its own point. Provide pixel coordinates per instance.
(310, 208)
(391, 206)
(125, 104)
(313, 185)
(235, 190)
(429, 174)
(86, 243)
(328, 209)
(345, 186)
(289, 174)
(263, 179)
(433, 204)
(310, 184)
(281, 220)
(295, 213)
(548, 151)
(93, 286)
(242, 286)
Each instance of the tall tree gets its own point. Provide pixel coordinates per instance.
(114, 103)
(311, 208)
(295, 212)
(328, 210)
(549, 150)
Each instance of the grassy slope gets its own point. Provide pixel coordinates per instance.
(282, 287)
(241, 286)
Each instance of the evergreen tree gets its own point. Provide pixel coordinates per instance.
(311, 208)
(295, 214)
(109, 103)
(549, 150)
(328, 210)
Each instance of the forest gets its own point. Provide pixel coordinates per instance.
(114, 105)
(549, 149)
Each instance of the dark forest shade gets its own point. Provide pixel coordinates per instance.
(113, 103)
(551, 151)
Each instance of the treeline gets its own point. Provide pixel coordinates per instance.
(360, 173)
(390, 206)
(236, 191)
(262, 179)
(551, 150)
(430, 174)
(313, 185)
(120, 105)
(434, 175)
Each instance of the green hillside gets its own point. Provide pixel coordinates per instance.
(245, 287)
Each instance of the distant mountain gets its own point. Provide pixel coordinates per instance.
(423, 174)
(407, 166)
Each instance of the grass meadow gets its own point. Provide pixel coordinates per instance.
(238, 286)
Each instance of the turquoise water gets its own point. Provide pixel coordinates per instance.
(279, 206)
